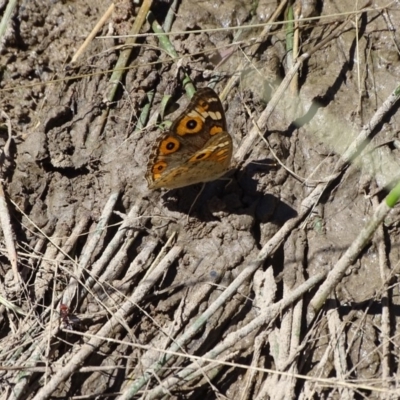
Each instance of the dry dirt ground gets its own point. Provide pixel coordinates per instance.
(134, 275)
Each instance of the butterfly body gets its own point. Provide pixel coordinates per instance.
(197, 147)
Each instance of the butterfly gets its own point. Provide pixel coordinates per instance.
(197, 147)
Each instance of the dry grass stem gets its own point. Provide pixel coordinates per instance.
(253, 50)
(93, 33)
(351, 254)
(126, 308)
(5, 219)
(380, 243)
(91, 245)
(248, 142)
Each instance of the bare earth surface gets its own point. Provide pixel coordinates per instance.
(130, 271)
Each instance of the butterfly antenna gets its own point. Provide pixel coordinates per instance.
(194, 202)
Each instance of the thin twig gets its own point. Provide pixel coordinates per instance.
(365, 235)
(5, 20)
(124, 57)
(93, 33)
(348, 258)
(385, 322)
(294, 86)
(267, 315)
(90, 248)
(337, 336)
(266, 251)
(5, 219)
(247, 143)
(112, 247)
(127, 308)
(253, 50)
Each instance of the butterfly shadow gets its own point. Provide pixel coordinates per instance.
(237, 193)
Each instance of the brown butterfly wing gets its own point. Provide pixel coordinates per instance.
(197, 148)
